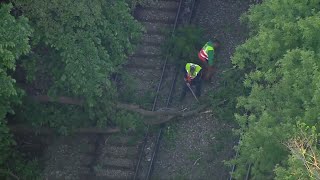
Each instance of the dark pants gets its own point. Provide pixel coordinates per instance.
(185, 88)
(208, 71)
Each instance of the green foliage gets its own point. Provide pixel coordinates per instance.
(62, 118)
(77, 46)
(224, 99)
(14, 42)
(12, 32)
(129, 121)
(280, 63)
(23, 168)
(14, 37)
(126, 88)
(182, 46)
(304, 155)
(127, 92)
(6, 142)
(90, 46)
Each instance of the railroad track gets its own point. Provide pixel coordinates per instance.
(154, 37)
(124, 156)
(118, 157)
(163, 97)
(111, 157)
(248, 172)
(128, 156)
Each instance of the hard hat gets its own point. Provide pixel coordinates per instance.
(192, 68)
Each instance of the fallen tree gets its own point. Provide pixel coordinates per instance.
(152, 117)
(26, 129)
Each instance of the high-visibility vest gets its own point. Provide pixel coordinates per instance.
(205, 49)
(196, 71)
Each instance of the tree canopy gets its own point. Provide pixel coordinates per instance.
(14, 42)
(281, 63)
(72, 49)
(14, 37)
(66, 48)
(77, 46)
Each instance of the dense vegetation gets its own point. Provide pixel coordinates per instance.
(279, 91)
(181, 45)
(69, 49)
(76, 48)
(14, 37)
(72, 49)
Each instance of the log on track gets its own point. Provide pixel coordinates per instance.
(26, 129)
(153, 117)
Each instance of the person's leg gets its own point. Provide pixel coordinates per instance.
(198, 88)
(205, 70)
(210, 73)
(184, 91)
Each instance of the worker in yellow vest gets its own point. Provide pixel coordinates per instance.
(207, 55)
(192, 77)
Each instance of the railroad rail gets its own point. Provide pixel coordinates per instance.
(123, 156)
(188, 4)
(155, 101)
(125, 160)
(144, 167)
(122, 162)
(234, 167)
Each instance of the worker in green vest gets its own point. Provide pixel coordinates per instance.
(207, 57)
(192, 77)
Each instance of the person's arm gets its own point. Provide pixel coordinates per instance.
(187, 79)
(198, 77)
(210, 57)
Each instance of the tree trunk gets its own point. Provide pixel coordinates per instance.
(26, 129)
(153, 117)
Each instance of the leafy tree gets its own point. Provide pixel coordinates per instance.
(76, 48)
(14, 37)
(224, 98)
(303, 162)
(281, 68)
(14, 42)
(182, 45)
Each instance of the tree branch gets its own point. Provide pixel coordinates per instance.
(154, 117)
(26, 129)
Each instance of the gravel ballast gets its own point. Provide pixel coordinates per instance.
(201, 143)
(192, 148)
